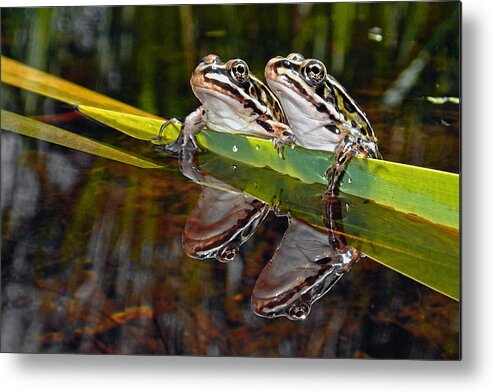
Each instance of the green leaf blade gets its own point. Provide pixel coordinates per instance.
(142, 128)
(22, 76)
(424, 252)
(430, 194)
(28, 127)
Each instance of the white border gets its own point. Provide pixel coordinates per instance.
(45, 3)
(474, 373)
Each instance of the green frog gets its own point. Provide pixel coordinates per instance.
(233, 101)
(321, 113)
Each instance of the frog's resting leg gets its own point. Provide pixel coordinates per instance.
(280, 133)
(159, 137)
(193, 123)
(348, 148)
(279, 144)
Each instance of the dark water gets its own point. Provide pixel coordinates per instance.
(92, 255)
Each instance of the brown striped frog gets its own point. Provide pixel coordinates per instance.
(234, 101)
(322, 115)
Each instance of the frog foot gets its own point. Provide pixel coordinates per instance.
(183, 140)
(185, 137)
(193, 123)
(189, 138)
(159, 137)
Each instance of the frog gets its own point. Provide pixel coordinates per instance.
(234, 101)
(321, 113)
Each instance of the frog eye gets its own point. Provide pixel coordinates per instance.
(240, 71)
(228, 253)
(314, 72)
(298, 311)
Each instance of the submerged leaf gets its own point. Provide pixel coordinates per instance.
(28, 127)
(411, 246)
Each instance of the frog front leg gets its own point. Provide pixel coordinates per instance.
(193, 123)
(348, 148)
(279, 133)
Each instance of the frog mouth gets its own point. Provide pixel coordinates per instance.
(294, 92)
(299, 108)
(221, 103)
(232, 99)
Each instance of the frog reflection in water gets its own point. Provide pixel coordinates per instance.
(320, 112)
(233, 101)
(306, 264)
(223, 219)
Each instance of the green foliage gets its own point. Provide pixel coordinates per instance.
(429, 194)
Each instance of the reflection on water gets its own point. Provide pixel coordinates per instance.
(305, 265)
(95, 264)
(223, 219)
(92, 250)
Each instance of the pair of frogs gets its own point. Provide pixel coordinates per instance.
(301, 105)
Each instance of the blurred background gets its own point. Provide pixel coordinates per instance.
(85, 240)
(145, 56)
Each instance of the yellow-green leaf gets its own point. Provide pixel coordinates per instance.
(22, 76)
(430, 194)
(424, 252)
(28, 127)
(130, 124)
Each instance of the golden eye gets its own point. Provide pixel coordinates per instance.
(240, 71)
(314, 72)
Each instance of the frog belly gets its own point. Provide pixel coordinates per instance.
(317, 140)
